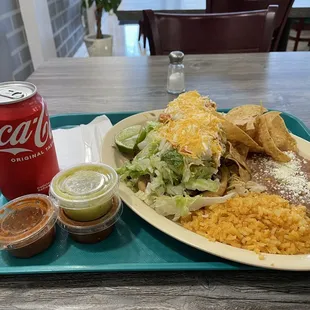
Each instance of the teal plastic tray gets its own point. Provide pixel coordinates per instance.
(133, 246)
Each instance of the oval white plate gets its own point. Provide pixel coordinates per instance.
(114, 158)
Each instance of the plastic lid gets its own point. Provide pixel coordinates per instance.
(86, 228)
(84, 186)
(25, 220)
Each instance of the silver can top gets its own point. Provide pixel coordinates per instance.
(12, 92)
(176, 57)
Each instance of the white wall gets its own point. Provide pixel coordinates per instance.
(91, 18)
(38, 29)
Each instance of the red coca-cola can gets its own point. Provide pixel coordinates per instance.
(28, 159)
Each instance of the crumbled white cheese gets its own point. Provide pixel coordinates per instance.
(289, 175)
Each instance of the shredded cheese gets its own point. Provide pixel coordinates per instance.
(193, 127)
(189, 104)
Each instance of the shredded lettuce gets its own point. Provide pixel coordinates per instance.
(171, 175)
(202, 185)
(203, 172)
(151, 135)
(175, 190)
(151, 125)
(179, 206)
(174, 160)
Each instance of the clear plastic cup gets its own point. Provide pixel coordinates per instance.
(92, 231)
(84, 192)
(27, 225)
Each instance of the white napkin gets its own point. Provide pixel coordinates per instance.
(81, 144)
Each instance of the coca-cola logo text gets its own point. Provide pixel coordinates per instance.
(37, 129)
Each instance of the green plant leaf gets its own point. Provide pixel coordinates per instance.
(90, 3)
(107, 5)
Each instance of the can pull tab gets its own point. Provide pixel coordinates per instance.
(12, 94)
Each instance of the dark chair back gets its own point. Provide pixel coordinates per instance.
(224, 6)
(210, 33)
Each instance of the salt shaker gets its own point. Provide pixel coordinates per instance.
(175, 80)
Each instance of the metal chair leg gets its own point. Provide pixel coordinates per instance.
(144, 41)
(140, 32)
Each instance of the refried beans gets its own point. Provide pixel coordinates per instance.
(289, 180)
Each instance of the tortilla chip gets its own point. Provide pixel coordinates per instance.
(239, 160)
(251, 128)
(245, 176)
(267, 142)
(240, 115)
(223, 184)
(233, 168)
(243, 150)
(245, 117)
(279, 133)
(236, 135)
(234, 153)
(242, 172)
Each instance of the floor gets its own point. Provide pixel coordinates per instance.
(125, 39)
(137, 5)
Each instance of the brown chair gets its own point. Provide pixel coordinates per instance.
(300, 25)
(222, 6)
(210, 33)
(142, 32)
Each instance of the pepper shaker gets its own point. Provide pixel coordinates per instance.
(175, 80)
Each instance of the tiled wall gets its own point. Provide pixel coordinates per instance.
(12, 27)
(67, 27)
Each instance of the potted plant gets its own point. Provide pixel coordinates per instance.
(100, 44)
